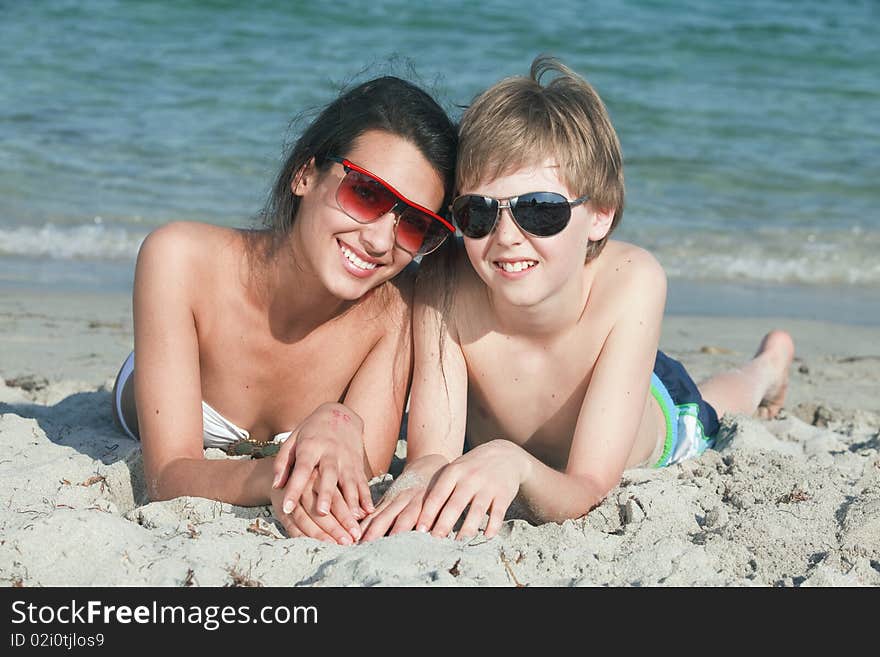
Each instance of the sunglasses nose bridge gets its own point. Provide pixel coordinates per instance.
(507, 229)
(376, 236)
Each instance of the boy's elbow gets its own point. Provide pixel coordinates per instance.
(594, 490)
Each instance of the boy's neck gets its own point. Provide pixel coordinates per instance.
(550, 317)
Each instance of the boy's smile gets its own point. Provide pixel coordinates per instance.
(513, 267)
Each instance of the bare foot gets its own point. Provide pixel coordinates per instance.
(777, 349)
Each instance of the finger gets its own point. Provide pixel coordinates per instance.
(283, 462)
(308, 527)
(382, 519)
(299, 478)
(351, 496)
(366, 495)
(289, 526)
(293, 531)
(365, 526)
(496, 517)
(341, 511)
(473, 519)
(450, 514)
(331, 526)
(367, 522)
(435, 500)
(406, 519)
(328, 477)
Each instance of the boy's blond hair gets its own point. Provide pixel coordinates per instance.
(517, 122)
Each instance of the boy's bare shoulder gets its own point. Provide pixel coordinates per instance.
(627, 271)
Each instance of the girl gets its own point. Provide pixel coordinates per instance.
(298, 331)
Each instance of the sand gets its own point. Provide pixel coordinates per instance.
(790, 502)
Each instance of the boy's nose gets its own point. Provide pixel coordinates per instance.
(507, 231)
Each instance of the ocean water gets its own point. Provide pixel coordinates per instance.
(750, 129)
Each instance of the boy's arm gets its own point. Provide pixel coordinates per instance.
(437, 413)
(489, 477)
(614, 404)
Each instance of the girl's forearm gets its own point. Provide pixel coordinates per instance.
(243, 482)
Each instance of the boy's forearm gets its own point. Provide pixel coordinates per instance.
(553, 496)
(243, 482)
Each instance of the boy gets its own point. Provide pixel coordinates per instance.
(546, 332)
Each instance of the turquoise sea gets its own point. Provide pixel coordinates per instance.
(751, 129)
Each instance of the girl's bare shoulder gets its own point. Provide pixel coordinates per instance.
(191, 238)
(189, 255)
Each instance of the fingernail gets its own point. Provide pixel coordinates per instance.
(345, 539)
(355, 531)
(358, 513)
(422, 528)
(288, 506)
(323, 508)
(276, 480)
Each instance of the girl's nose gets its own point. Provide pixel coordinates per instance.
(377, 237)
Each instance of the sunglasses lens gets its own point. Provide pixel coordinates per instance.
(475, 215)
(419, 233)
(362, 198)
(542, 213)
(365, 199)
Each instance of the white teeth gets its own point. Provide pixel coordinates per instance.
(352, 257)
(517, 266)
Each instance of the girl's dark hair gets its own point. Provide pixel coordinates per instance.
(386, 103)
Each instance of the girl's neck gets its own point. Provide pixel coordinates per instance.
(293, 297)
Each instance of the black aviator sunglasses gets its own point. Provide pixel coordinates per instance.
(541, 214)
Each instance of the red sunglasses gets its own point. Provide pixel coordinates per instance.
(365, 198)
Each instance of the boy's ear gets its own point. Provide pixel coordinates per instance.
(304, 179)
(601, 223)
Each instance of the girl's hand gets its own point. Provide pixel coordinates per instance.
(401, 505)
(487, 478)
(336, 527)
(329, 443)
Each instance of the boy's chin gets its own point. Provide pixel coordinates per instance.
(522, 297)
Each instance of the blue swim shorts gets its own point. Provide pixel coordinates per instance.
(691, 422)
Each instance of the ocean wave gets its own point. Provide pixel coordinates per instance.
(792, 255)
(88, 241)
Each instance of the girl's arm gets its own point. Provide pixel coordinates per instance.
(374, 403)
(168, 391)
(167, 382)
(437, 413)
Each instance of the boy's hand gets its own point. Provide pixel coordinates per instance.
(401, 505)
(329, 443)
(487, 478)
(339, 526)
